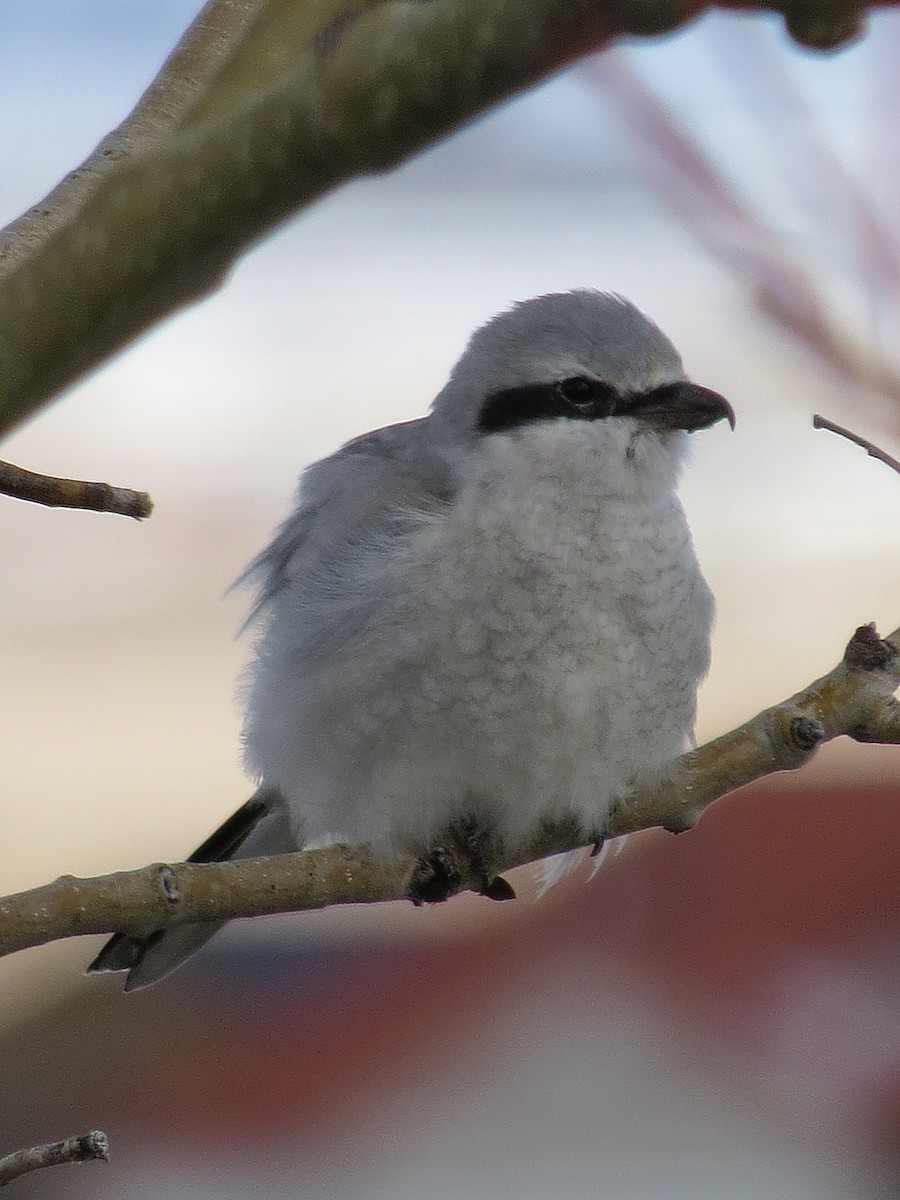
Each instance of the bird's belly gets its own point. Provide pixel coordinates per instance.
(533, 670)
(548, 688)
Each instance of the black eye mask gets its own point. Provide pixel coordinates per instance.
(680, 405)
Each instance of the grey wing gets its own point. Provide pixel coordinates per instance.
(349, 498)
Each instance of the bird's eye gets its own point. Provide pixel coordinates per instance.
(579, 393)
(577, 389)
(589, 398)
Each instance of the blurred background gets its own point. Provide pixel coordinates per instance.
(713, 1015)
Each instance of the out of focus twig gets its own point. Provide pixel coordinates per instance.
(87, 1147)
(73, 493)
(695, 184)
(262, 108)
(870, 448)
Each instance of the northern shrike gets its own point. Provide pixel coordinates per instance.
(482, 619)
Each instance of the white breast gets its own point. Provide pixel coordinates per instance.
(546, 637)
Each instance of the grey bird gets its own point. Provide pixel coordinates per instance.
(480, 620)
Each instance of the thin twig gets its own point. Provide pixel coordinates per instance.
(90, 1146)
(855, 699)
(870, 448)
(72, 493)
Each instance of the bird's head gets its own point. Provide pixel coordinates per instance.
(577, 365)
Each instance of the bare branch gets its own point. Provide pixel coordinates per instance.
(856, 699)
(262, 108)
(870, 448)
(283, 119)
(73, 493)
(88, 1147)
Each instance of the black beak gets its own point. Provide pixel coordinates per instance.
(681, 406)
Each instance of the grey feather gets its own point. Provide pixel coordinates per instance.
(344, 499)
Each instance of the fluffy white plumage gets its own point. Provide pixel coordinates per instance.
(512, 623)
(493, 611)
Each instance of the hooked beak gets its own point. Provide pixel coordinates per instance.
(682, 405)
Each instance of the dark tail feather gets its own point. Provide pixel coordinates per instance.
(258, 827)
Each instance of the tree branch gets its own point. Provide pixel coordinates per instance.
(873, 451)
(72, 493)
(856, 699)
(88, 1147)
(264, 106)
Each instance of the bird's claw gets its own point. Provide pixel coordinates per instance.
(499, 888)
(460, 858)
(435, 877)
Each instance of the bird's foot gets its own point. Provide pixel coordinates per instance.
(461, 857)
(436, 877)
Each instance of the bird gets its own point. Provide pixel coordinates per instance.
(481, 620)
